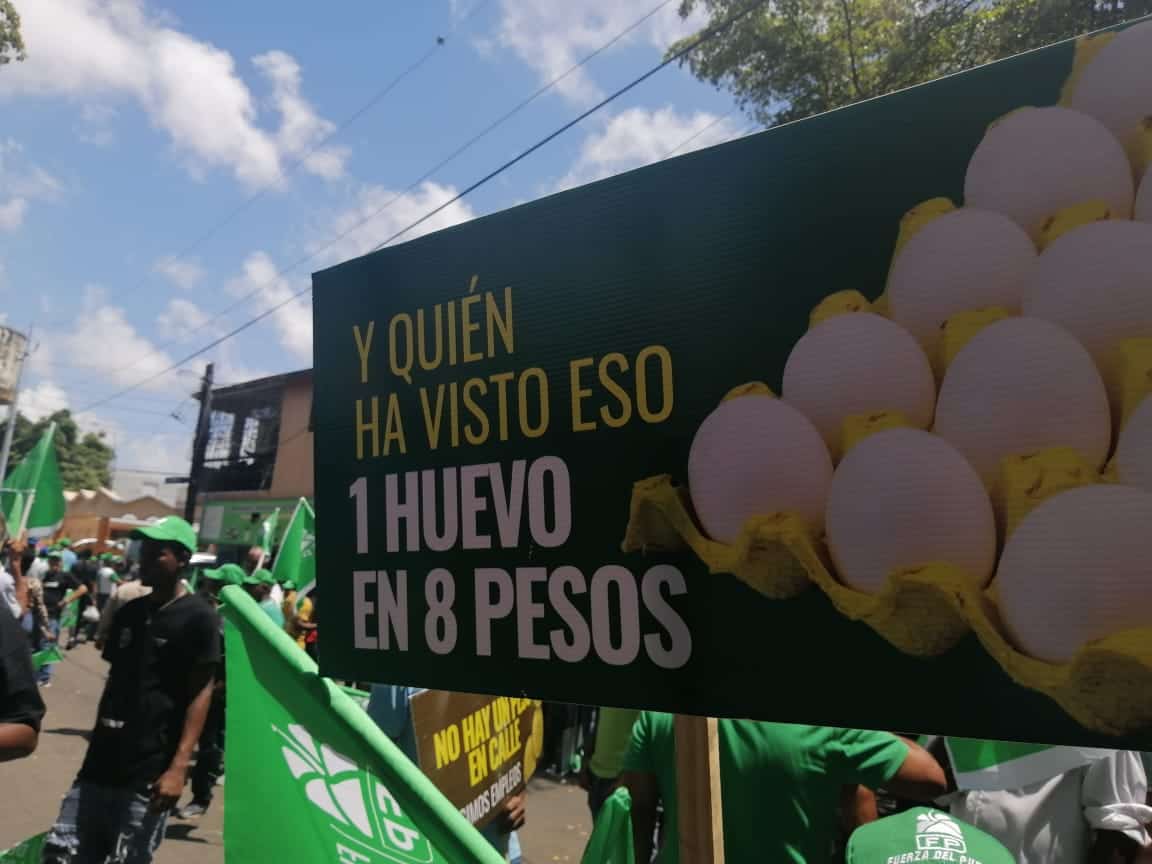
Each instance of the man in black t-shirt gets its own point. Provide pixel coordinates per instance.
(57, 585)
(163, 649)
(21, 708)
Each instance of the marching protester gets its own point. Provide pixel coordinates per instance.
(163, 650)
(57, 586)
(209, 767)
(602, 761)
(258, 583)
(782, 784)
(34, 619)
(1097, 812)
(125, 591)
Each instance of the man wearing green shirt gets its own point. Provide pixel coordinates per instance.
(781, 784)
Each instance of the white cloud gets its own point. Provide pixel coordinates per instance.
(39, 401)
(301, 128)
(12, 214)
(553, 35)
(105, 343)
(179, 318)
(182, 272)
(155, 451)
(383, 212)
(21, 182)
(294, 319)
(96, 49)
(640, 136)
(95, 124)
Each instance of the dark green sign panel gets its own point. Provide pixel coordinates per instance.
(557, 453)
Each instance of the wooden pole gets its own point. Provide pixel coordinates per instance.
(698, 788)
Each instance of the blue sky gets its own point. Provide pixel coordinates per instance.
(134, 129)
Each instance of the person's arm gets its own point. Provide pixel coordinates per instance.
(1114, 794)
(638, 775)
(645, 800)
(857, 807)
(169, 786)
(21, 707)
(17, 740)
(16, 565)
(883, 760)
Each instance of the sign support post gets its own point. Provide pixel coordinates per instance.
(698, 789)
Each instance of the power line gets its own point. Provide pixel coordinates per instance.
(451, 157)
(708, 35)
(375, 100)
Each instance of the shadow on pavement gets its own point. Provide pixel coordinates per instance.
(68, 730)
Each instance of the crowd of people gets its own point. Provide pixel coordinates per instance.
(790, 793)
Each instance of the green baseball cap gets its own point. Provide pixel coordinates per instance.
(288, 585)
(259, 577)
(54, 553)
(229, 574)
(923, 834)
(170, 529)
(64, 542)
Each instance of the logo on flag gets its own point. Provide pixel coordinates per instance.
(360, 808)
(307, 544)
(937, 831)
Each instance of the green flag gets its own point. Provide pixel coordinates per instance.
(33, 496)
(997, 765)
(268, 532)
(71, 616)
(27, 852)
(611, 840)
(297, 558)
(43, 657)
(304, 754)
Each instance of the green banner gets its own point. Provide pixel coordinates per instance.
(241, 522)
(300, 748)
(838, 395)
(611, 839)
(27, 852)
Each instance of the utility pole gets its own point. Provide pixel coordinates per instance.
(6, 449)
(200, 442)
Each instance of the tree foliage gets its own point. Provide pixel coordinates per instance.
(85, 458)
(11, 42)
(795, 58)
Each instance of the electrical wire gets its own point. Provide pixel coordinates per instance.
(703, 38)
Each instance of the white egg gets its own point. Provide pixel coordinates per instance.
(1116, 86)
(1134, 450)
(1143, 210)
(1019, 386)
(1096, 283)
(754, 456)
(858, 363)
(1037, 161)
(904, 498)
(966, 259)
(1076, 570)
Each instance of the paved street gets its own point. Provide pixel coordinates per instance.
(557, 829)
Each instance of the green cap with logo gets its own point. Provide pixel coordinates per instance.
(229, 574)
(923, 834)
(170, 529)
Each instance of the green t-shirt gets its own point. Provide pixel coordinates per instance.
(922, 834)
(780, 783)
(613, 735)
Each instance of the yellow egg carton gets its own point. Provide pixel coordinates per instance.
(924, 610)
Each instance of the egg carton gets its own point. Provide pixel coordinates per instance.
(922, 611)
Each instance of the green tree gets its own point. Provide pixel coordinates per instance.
(84, 457)
(794, 58)
(11, 42)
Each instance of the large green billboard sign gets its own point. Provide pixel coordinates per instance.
(843, 423)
